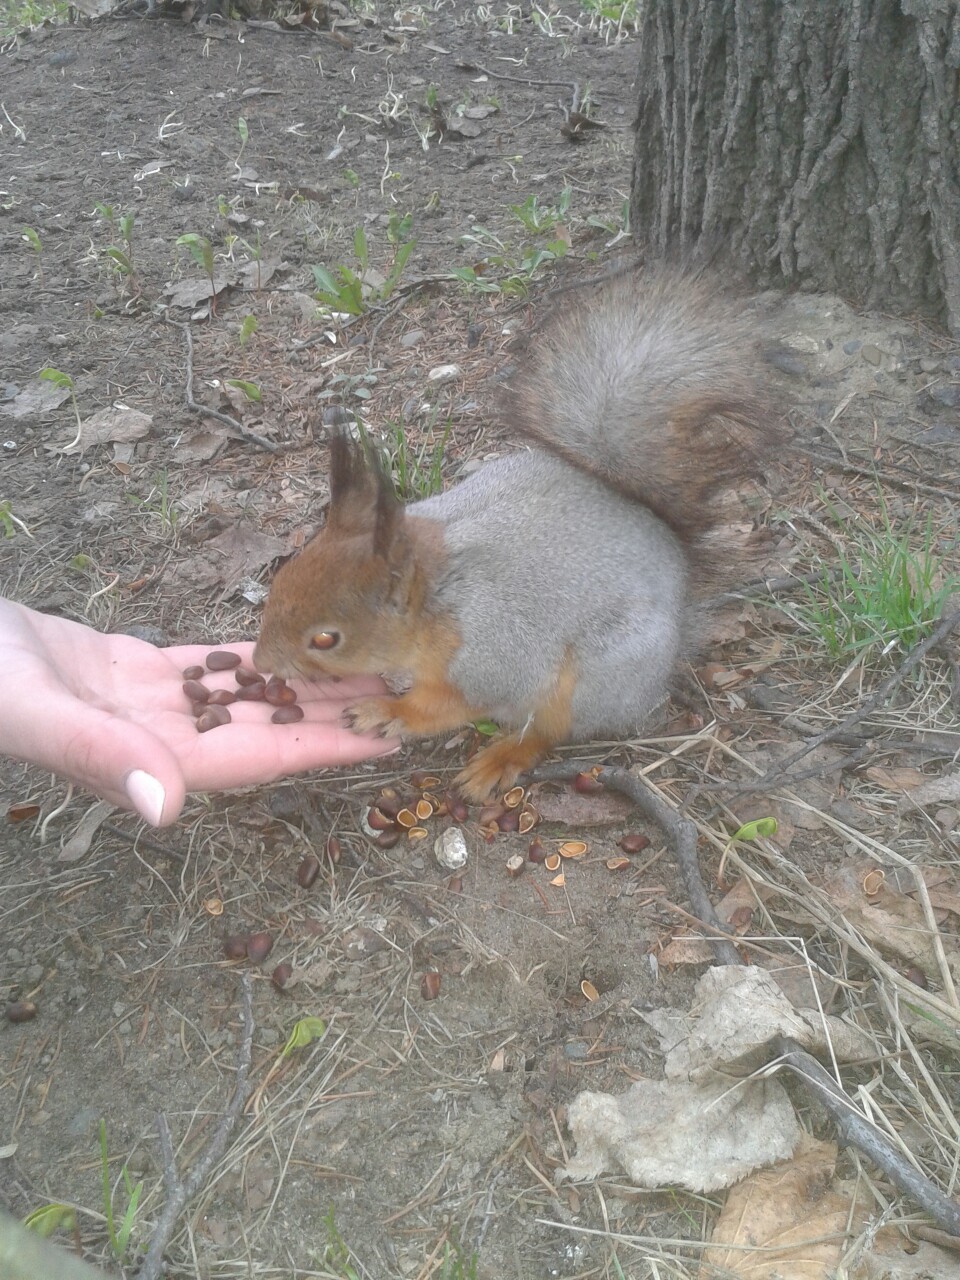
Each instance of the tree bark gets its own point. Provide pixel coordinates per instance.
(816, 142)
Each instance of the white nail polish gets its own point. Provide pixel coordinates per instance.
(146, 794)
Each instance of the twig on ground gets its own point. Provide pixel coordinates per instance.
(139, 840)
(773, 586)
(181, 1191)
(926, 743)
(502, 75)
(388, 313)
(779, 775)
(205, 410)
(872, 472)
(856, 1131)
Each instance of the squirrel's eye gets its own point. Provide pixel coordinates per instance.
(325, 640)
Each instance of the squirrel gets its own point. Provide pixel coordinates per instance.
(553, 590)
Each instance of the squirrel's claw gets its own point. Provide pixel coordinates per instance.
(375, 717)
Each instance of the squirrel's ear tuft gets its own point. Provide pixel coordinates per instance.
(349, 476)
(362, 500)
(354, 488)
(388, 519)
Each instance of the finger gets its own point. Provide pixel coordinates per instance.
(122, 761)
(243, 753)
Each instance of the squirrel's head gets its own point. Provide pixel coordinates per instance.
(346, 603)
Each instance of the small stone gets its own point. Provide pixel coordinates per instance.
(947, 394)
(444, 373)
(788, 362)
(450, 849)
(872, 354)
(411, 338)
(148, 634)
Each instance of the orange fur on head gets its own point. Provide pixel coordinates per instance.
(351, 602)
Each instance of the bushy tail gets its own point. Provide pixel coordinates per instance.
(656, 383)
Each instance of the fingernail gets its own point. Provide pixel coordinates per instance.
(146, 794)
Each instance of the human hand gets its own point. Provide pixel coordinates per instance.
(108, 712)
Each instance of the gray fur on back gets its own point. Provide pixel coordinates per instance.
(545, 561)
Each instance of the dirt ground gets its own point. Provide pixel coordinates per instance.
(413, 1125)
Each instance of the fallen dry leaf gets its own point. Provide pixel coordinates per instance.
(115, 425)
(935, 791)
(201, 446)
(257, 275)
(895, 779)
(35, 398)
(238, 552)
(892, 1258)
(189, 292)
(79, 843)
(22, 812)
(891, 921)
(784, 1221)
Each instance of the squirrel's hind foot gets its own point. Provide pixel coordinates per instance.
(497, 766)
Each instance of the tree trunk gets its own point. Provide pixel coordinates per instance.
(817, 142)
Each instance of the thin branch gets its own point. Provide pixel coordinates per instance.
(680, 831)
(205, 410)
(181, 1192)
(856, 1131)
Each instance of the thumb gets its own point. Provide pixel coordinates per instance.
(126, 764)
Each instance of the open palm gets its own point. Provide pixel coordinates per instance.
(109, 713)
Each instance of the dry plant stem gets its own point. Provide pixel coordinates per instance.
(772, 586)
(856, 1131)
(139, 840)
(180, 1192)
(540, 84)
(942, 1238)
(871, 472)
(387, 314)
(924, 744)
(681, 832)
(776, 777)
(203, 409)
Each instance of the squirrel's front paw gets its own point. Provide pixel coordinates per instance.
(376, 716)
